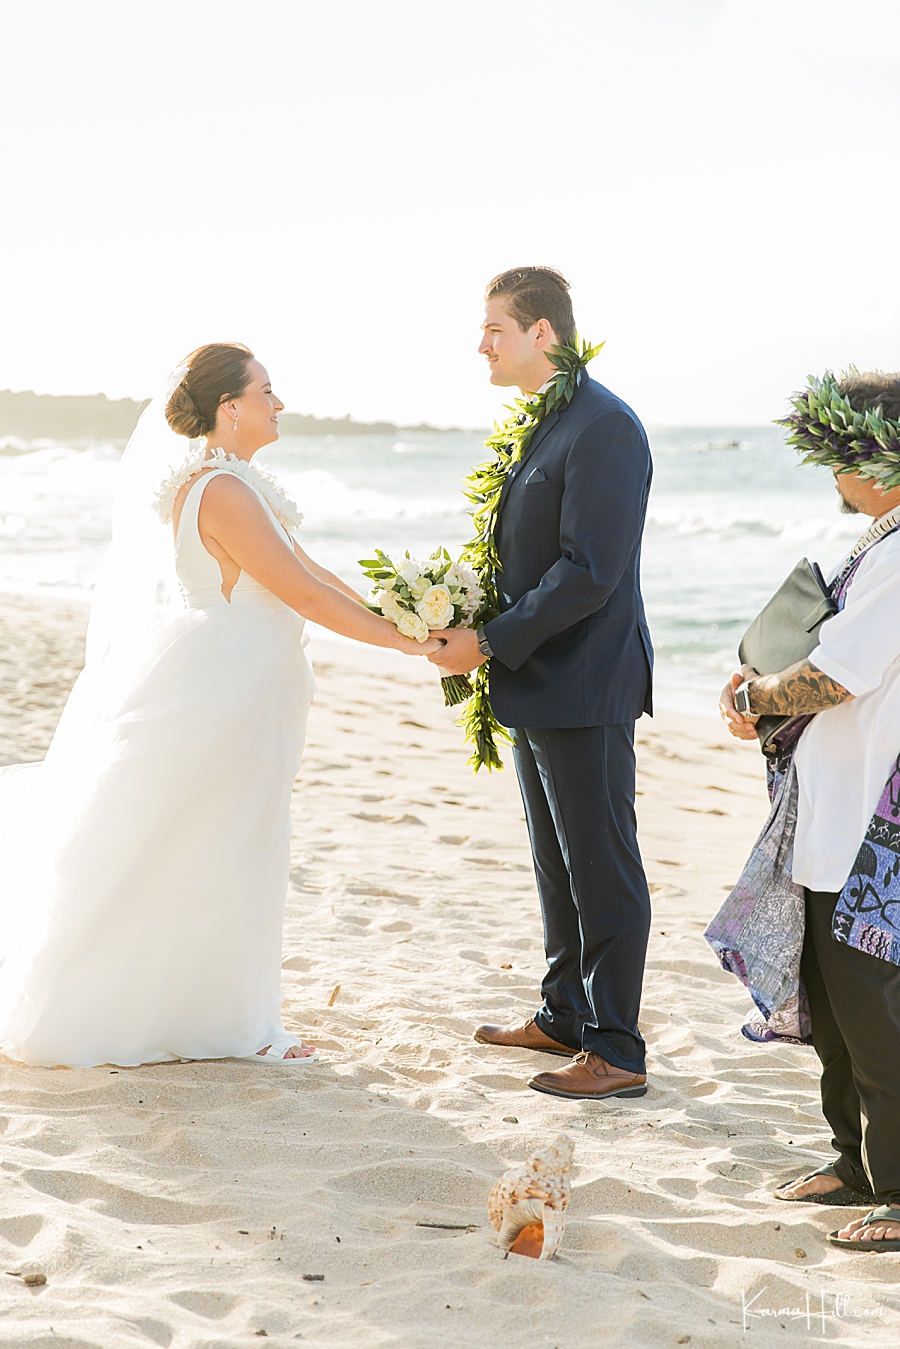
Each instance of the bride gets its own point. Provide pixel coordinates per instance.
(144, 864)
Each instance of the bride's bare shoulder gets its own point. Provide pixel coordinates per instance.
(225, 496)
(181, 497)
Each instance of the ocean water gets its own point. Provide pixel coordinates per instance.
(731, 512)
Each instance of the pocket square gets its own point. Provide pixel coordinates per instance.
(536, 475)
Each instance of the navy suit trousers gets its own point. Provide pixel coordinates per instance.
(578, 787)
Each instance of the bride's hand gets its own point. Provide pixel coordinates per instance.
(410, 647)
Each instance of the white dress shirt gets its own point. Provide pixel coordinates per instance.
(845, 755)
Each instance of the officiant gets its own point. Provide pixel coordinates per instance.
(836, 774)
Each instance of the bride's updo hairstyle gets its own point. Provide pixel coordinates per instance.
(217, 372)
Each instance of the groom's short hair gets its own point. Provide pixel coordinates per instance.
(534, 293)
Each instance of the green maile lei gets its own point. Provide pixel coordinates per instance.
(484, 486)
(828, 431)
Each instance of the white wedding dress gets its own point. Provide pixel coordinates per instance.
(144, 864)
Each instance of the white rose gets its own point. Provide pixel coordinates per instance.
(411, 625)
(464, 575)
(410, 570)
(436, 607)
(389, 603)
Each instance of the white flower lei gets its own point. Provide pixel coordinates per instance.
(271, 491)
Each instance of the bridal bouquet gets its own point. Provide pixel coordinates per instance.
(425, 597)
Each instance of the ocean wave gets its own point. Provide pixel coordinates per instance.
(717, 446)
(717, 519)
(723, 528)
(325, 499)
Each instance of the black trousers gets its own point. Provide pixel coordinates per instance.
(578, 789)
(854, 1003)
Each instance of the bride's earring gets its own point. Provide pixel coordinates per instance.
(235, 424)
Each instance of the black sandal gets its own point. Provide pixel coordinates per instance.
(885, 1216)
(845, 1197)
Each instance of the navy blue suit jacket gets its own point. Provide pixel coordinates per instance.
(571, 645)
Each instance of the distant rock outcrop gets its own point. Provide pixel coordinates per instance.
(299, 424)
(41, 416)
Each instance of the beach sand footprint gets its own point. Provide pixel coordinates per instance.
(21, 1231)
(115, 1201)
(211, 1305)
(155, 1331)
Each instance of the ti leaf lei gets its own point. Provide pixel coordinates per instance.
(484, 486)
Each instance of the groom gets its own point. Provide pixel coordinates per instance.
(571, 664)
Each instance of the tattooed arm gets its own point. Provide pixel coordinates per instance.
(799, 689)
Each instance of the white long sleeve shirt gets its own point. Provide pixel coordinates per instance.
(845, 755)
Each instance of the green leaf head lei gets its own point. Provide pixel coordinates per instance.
(483, 488)
(827, 430)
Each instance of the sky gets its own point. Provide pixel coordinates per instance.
(334, 183)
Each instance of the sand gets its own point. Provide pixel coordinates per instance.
(185, 1204)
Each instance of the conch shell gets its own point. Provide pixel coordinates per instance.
(527, 1206)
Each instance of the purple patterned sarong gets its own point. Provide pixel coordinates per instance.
(868, 912)
(758, 932)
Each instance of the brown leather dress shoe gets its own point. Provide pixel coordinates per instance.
(528, 1036)
(590, 1078)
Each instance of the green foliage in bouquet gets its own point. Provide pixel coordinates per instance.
(484, 487)
(424, 597)
(827, 430)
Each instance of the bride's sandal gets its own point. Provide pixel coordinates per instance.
(277, 1050)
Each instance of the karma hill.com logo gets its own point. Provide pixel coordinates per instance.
(814, 1312)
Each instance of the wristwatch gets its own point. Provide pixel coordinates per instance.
(484, 645)
(742, 698)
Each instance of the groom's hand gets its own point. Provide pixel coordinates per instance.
(459, 654)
